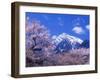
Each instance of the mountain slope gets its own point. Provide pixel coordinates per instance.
(85, 44)
(65, 42)
(62, 36)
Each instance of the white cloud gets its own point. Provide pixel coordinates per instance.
(78, 30)
(60, 21)
(54, 37)
(88, 27)
(27, 18)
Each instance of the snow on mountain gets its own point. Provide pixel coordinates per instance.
(72, 39)
(65, 42)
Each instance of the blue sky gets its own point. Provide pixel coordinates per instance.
(75, 25)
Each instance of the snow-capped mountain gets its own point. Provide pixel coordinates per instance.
(65, 42)
(72, 39)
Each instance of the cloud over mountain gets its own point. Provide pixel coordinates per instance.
(88, 27)
(78, 30)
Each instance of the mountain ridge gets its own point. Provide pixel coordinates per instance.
(65, 42)
(62, 36)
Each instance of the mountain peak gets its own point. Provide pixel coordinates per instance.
(72, 39)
